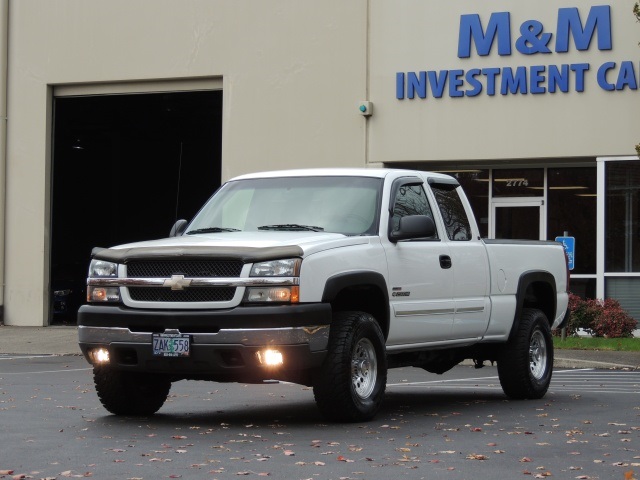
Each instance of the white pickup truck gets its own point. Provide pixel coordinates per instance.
(325, 278)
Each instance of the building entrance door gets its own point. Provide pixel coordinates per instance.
(521, 218)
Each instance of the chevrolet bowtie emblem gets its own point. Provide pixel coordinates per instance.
(177, 282)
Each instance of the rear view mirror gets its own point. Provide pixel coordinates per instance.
(413, 226)
(178, 228)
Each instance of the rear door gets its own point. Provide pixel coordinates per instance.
(469, 260)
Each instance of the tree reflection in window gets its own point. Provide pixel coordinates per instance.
(410, 200)
(455, 218)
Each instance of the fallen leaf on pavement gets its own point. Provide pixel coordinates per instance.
(477, 456)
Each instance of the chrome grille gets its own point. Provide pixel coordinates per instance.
(196, 294)
(188, 268)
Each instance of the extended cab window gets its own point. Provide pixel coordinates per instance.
(453, 213)
(410, 200)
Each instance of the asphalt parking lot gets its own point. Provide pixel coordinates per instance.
(458, 425)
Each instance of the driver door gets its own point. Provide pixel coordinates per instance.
(420, 273)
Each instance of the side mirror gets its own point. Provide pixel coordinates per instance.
(178, 228)
(413, 226)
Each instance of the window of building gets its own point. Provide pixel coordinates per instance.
(622, 214)
(571, 208)
(622, 233)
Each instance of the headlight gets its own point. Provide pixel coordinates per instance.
(98, 293)
(289, 267)
(100, 268)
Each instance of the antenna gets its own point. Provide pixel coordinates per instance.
(178, 189)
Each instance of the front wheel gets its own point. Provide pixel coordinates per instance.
(351, 382)
(130, 393)
(526, 364)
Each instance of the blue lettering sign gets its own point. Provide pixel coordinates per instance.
(536, 79)
(569, 23)
(491, 74)
(476, 85)
(437, 80)
(533, 39)
(558, 78)
(514, 83)
(602, 76)
(579, 69)
(471, 30)
(627, 77)
(400, 85)
(456, 81)
(417, 83)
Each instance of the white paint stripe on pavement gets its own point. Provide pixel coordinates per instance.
(45, 371)
(582, 381)
(20, 357)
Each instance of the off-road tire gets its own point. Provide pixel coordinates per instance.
(130, 393)
(351, 382)
(526, 364)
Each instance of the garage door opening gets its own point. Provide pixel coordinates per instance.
(125, 167)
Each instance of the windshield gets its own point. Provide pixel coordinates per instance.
(346, 205)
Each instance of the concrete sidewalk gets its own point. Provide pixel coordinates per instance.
(55, 340)
(63, 340)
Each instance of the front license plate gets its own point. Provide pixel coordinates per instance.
(171, 345)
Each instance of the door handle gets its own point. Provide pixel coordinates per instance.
(445, 261)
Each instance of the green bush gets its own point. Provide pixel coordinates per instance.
(613, 322)
(599, 318)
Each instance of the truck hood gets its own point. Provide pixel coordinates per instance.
(250, 246)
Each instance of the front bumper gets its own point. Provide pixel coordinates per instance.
(223, 343)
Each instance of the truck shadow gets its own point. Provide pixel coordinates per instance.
(301, 412)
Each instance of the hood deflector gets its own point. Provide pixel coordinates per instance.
(246, 254)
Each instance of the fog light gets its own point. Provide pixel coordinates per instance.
(270, 358)
(99, 356)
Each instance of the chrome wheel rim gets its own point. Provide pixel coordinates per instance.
(538, 355)
(364, 368)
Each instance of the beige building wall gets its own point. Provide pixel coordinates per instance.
(292, 73)
(422, 35)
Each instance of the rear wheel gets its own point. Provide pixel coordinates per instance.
(526, 364)
(352, 380)
(130, 393)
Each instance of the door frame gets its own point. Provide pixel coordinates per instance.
(498, 202)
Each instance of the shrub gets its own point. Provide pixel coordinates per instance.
(576, 309)
(581, 314)
(598, 318)
(613, 322)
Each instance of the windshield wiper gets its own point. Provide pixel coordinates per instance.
(212, 230)
(292, 226)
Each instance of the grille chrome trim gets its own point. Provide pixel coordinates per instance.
(195, 282)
